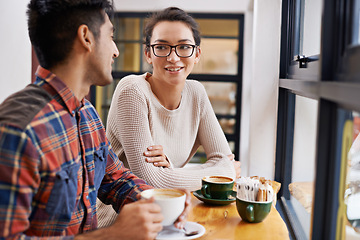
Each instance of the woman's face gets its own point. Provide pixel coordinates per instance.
(172, 69)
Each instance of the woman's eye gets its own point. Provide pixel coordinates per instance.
(160, 47)
(184, 47)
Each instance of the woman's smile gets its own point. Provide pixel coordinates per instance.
(173, 69)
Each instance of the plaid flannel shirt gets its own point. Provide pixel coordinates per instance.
(55, 160)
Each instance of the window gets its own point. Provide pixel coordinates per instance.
(308, 27)
(318, 119)
(355, 23)
(303, 161)
(219, 69)
(349, 185)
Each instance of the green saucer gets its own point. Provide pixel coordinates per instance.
(201, 197)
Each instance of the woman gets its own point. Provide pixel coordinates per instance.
(157, 121)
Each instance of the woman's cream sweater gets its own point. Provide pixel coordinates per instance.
(137, 120)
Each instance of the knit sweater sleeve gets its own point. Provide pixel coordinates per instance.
(129, 122)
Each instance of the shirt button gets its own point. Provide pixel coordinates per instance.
(87, 197)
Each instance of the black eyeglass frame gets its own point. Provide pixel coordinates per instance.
(174, 47)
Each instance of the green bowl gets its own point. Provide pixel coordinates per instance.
(253, 212)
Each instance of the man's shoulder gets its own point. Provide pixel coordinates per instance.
(21, 107)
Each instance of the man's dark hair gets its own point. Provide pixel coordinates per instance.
(172, 14)
(53, 25)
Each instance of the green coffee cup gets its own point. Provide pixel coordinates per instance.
(253, 212)
(217, 187)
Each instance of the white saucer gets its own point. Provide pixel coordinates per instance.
(170, 232)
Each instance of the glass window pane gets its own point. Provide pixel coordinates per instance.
(349, 208)
(129, 57)
(303, 165)
(219, 27)
(127, 29)
(228, 125)
(312, 28)
(355, 39)
(218, 56)
(310, 13)
(105, 99)
(222, 96)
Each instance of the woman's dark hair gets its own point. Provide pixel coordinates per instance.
(172, 14)
(53, 25)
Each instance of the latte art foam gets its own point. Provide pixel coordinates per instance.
(218, 179)
(163, 196)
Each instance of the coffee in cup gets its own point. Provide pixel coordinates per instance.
(217, 187)
(171, 202)
(253, 211)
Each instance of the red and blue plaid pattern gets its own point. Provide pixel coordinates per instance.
(55, 160)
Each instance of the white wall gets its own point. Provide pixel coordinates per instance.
(228, 6)
(15, 48)
(260, 66)
(264, 87)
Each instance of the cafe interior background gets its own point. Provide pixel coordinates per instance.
(284, 80)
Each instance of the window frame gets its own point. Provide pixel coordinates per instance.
(322, 80)
(237, 79)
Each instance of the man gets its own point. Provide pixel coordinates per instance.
(55, 158)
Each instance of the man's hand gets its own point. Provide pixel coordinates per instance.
(140, 220)
(155, 155)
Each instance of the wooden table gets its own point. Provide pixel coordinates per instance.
(224, 222)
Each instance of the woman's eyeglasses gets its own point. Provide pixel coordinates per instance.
(181, 50)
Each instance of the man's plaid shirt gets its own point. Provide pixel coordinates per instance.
(55, 160)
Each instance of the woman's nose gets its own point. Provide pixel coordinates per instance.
(173, 57)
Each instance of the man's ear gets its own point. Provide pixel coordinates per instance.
(85, 36)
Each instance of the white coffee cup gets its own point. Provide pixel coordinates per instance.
(171, 202)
